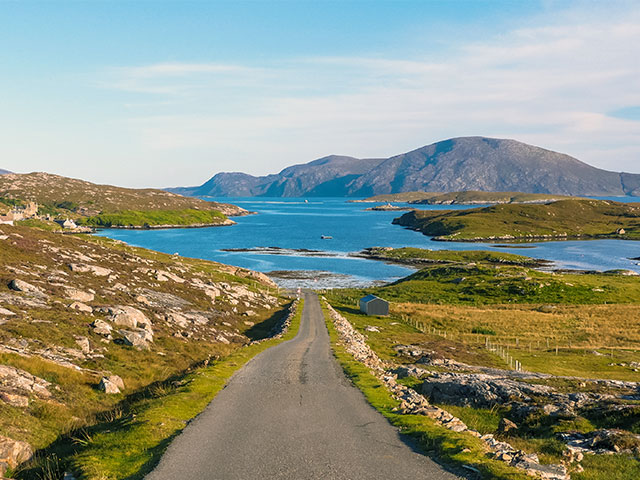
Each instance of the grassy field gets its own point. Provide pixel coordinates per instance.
(572, 326)
(575, 218)
(454, 449)
(537, 434)
(151, 218)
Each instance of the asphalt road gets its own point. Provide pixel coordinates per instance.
(290, 413)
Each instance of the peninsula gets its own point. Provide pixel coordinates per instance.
(564, 219)
(87, 204)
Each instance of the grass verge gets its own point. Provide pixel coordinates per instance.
(458, 449)
(129, 442)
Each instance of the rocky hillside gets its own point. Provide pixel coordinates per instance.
(92, 199)
(458, 164)
(86, 321)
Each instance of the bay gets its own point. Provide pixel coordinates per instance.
(294, 224)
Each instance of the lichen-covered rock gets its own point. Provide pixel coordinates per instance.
(78, 295)
(130, 317)
(138, 339)
(111, 385)
(81, 307)
(21, 286)
(101, 327)
(13, 453)
(85, 268)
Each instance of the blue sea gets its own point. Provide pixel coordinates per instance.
(292, 224)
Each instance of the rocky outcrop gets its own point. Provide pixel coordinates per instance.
(85, 268)
(78, 295)
(13, 453)
(22, 286)
(17, 386)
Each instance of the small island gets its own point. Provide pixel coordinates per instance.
(469, 197)
(561, 220)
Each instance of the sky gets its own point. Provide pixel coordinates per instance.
(159, 93)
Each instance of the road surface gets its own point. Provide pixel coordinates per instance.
(290, 413)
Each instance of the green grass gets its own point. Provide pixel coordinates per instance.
(575, 218)
(454, 448)
(130, 440)
(150, 218)
(452, 256)
(483, 278)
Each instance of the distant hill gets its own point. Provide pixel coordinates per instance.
(3, 172)
(458, 164)
(106, 205)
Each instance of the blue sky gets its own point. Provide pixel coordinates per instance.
(169, 93)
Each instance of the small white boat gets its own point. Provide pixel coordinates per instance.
(326, 237)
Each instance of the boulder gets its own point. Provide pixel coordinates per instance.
(101, 327)
(85, 268)
(13, 453)
(81, 307)
(14, 399)
(506, 426)
(16, 381)
(6, 313)
(176, 318)
(112, 384)
(130, 317)
(78, 295)
(22, 286)
(138, 339)
(83, 343)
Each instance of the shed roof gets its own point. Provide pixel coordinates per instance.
(368, 298)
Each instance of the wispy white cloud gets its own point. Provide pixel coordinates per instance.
(551, 86)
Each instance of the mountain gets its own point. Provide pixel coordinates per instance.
(457, 164)
(2, 172)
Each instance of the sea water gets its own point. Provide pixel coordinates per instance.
(295, 224)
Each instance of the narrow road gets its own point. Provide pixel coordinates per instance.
(290, 413)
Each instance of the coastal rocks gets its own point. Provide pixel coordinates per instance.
(86, 268)
(111, 385)
(13, 453)
(78, 295)
(22, 286)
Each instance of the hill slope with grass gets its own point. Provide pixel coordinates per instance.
(75, 310)
(106, 205)
(575, 218)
